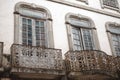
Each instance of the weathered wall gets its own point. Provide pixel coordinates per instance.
(58, 12)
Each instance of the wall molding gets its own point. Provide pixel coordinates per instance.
(85, 1)
(86, 8)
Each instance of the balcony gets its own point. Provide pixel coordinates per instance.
(36, 62)
(91, 64)
(1, 56)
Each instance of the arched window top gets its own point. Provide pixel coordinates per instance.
(32, 10)
(112, 24)
(113, 27)
(79, 20)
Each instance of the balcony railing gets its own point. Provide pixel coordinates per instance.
(33, 59)
(91, 62)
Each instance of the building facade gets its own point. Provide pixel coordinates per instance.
(60, 40)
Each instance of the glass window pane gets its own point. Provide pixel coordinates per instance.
(116, 44)
(24, 35)
(75, 42)
(27, 31)
(78, 48)
(37, 23)
(114, 37)
(24, 20)
(30, 28)
(29, 22)
(41, 24)
(119, 38)
(24, 41)
(76, 38)
(30, 35)
(37, 37)
(37, 43)
(75, 47)
(87, 37)
(24, 29)
(40, 36)
(42, 30)
(78, 42)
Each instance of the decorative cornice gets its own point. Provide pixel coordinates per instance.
(108, 24)
(31, 6)
(85, 1)
(86, 8)
(16, 12)
(50, 19)
(80, 17)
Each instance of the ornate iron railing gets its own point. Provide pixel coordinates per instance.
(36, 58)
(1, 53)
(92, 61)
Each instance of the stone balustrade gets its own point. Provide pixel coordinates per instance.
(46, 63)
(92, 62)
(33, 59)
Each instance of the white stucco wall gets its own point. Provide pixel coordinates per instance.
(58, 12)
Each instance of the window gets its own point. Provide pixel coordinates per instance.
(82, 38)
(113, 30)
(27, 31)
(81, 33)
(116, 43)
(33, 25)
(111, 4)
